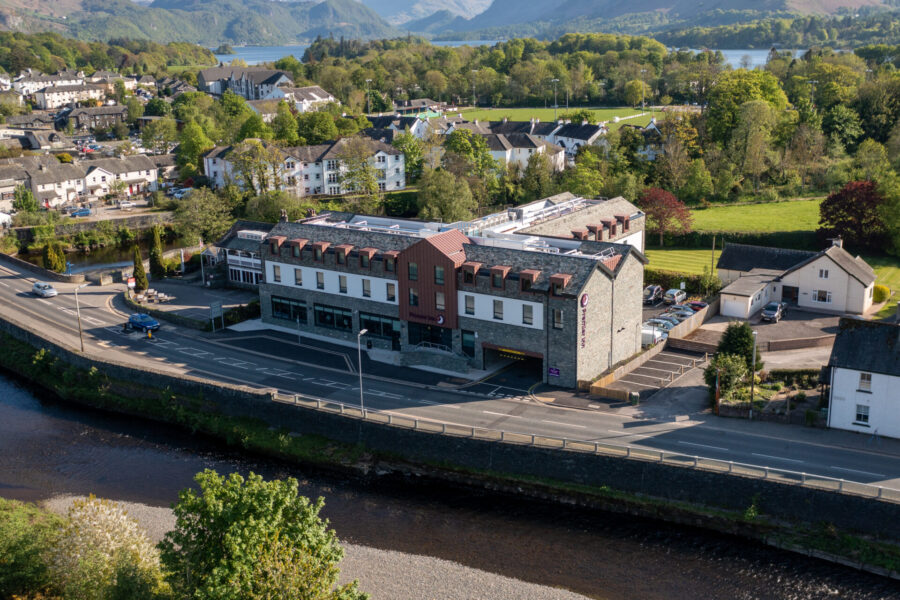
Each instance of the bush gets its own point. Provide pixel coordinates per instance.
(25, 532)
(738, 340)
(881, 293)
(800, 397)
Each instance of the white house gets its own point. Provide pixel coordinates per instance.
(829, 281)
(29, 84)
(62, 95)
(304, 99)
(417, 126)
(518, 148)
(572, 136)
(312, 170)
(138, 173)
(864, 376)
(55, 184)
(251, 83)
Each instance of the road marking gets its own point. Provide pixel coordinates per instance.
(704, 446)
(4, 284)
(233, 362)
(566, 424)
(626, 434)
(488, 412)
(193, 352)
(92, 321)
(793, 460)
(860, 472)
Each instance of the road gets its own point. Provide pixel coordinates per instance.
(273, 360)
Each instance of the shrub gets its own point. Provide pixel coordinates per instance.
(800, 397)
(738, 340)
(730, 371)
(25, 531)
(53, 257)
(881, 293)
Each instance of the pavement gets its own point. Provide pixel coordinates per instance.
(193, 301)
(673, 420)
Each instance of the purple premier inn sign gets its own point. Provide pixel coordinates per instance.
(553, 371)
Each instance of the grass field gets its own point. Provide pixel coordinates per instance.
(681, 260)
(546, 114)
(798, 215)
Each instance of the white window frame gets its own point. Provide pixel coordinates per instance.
(823, 273)
(815, 297)
(862, 414)
(865, 382)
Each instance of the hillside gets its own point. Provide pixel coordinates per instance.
(403, 11)
(533, 17)
(209, 22)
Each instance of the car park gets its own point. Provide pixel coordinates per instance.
(675, 296)
(43, 290)
(143, 322)
(81, 212)
(653, 294)
(773, 311)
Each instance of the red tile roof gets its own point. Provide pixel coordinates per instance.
(450, 243)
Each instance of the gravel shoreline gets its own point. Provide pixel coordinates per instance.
(385, 574)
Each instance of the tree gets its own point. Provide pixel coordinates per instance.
(202, 215)
(65, 158)
(138, 272)
(854, 213)
(358, 174)
(316, 127)
(53, 257)
(473, 151)
(25, 534)
(119, 91)
(673, 163)
(250, 538)
(586, 177)
(135, 109)
(157, 107)
(636, 92)
(159, 133)
(751, 138)
(537, 180)
(583, 115)
(842, 124)
(729, 370)
(698, 185)
(98, 542)
(284, 125)
(413, 153)
(665, 213)
(254, 127)
(192, 145)
(871, 161)
(731, 90)
(157, 268)
(23, 200)
(268, 206)
(805, 150)
(444, 197)
(738, 341)
(120, 130)
(889, 189)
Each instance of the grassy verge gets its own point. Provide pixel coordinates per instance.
(798, 215)
(689, 261)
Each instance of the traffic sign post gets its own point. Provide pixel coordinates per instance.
(215, 311)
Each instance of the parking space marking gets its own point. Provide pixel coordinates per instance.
(233, 362)
(637, 383)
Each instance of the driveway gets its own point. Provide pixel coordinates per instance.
(796, 324)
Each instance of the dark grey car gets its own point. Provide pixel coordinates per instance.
(773, 311)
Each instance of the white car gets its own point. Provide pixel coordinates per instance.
(43, 290)
(126, 205)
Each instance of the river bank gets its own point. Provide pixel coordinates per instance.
(198, 415)
(53, 448)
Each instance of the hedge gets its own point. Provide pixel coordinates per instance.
(796, 240)
(881, 293)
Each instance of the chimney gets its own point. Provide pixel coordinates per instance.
(579, 234)
(837, 241)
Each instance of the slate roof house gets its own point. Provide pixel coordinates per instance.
(831, 280)
(251, 83)
(865, 378)
(94, 117)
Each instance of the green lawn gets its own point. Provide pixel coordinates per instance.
(546, 114)
(797, 215)
(688, 261)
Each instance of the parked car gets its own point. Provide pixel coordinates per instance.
(773, 311)
(652, 335)
(674, 296)
(681, 315)
(697, 305)
(659, 324)
(684, 307)
(126, 205)
(81, 212)
(653, 294)
(43, 290)
(143, 322)
(669, 318)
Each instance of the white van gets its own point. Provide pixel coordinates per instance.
(652, 335)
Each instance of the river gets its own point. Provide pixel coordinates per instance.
(48, 448)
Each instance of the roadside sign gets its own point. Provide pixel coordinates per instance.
(553, 372)
(215, 309)
(131, 282)
(682, 285)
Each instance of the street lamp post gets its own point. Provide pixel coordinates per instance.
(78, 313)
(362, 406)
(753, 375)
(368, 97)
(555, 104)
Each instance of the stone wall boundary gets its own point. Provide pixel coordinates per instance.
(618, 373)
(41, 272)
(672, 477)
(797, 343)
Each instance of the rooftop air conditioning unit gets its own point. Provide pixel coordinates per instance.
(248, 234)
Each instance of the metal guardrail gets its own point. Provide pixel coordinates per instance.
(783, 476)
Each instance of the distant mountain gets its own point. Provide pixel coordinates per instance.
(403, 11)
(208, 22)
(506, 18)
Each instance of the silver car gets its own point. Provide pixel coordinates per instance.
(43, 290)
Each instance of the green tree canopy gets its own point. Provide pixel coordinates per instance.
(201, 215)
(444, 197)
(316, 127)
(254, 127)
(284, 125)
(192, 145)
(157, 268)
(158, 134)
(738, 341)
(24, 200)
(413, 153)
(138, 272)
(157, 107)
(224, 536)
(732, 90)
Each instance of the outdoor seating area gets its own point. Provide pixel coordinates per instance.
(152, 295)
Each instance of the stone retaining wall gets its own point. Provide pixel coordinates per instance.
(41, 272)
(141, 221)
(660, 480)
